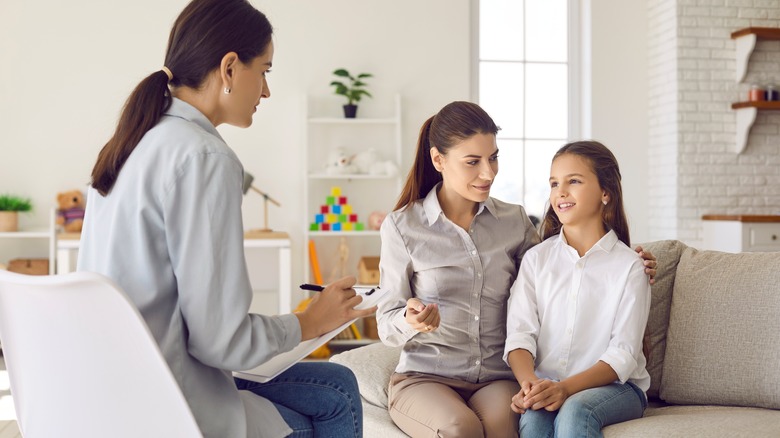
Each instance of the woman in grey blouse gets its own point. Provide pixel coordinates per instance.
(164, 221)
(450, 254)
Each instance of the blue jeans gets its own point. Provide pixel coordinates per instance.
(586, 412)
(316, 399)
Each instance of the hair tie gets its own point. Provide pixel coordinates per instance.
(167, 72)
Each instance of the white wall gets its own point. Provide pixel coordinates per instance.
(68, 67)
(619, 90)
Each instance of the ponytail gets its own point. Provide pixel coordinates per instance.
(143, 109)
(204, 32)
(422, 176)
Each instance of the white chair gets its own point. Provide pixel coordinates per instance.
(83, 363)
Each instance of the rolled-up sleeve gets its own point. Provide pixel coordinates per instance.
(395, 272)
(629, 326)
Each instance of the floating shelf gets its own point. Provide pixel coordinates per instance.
(746, 111)
(746, 116)
(746, 42)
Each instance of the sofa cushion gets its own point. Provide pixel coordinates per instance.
(723, 344)
(667, 253)
(699, 421)
(373, 365)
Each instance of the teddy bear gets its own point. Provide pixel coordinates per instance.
(70, 210)
(369, 162)
(339, 163)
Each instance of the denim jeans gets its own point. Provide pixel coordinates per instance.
(586, 412)
(316, 399)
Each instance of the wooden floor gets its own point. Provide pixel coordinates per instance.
(8, 427)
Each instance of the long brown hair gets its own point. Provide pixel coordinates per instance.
(605, 166)
(454, 123)
(204, 32)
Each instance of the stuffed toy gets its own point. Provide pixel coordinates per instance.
(339, 163)
(375, 219)
(70, 210)
(369, 161)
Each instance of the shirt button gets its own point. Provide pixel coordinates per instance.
(476, 318)
(479, 275)
(478, 362)
(473, 251)
(471, 231)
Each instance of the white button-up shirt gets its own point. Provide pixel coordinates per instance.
(570, 312)
(468, 274)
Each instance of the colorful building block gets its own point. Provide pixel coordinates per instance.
(359, 226)
(353, 218)
(342, 200)
(335, 227)
(335, 191)
(336, 209)
(324, 209)
(319, 218)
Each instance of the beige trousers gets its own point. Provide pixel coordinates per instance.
(424, 405)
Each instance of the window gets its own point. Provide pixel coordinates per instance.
(525, 78)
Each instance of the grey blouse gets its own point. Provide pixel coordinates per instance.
(170, 234)
(467, 273)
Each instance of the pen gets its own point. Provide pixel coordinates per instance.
(318, 288)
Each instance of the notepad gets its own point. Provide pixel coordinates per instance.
(281, 362)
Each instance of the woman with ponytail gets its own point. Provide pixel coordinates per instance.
(450, 254)
(164, 221)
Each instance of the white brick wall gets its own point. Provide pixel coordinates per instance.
(693, 168)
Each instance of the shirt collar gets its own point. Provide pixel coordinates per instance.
(184, 110)
(433, 209)
(606, 243)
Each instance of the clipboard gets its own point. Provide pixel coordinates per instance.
(281, 362)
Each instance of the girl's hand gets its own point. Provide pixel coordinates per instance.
(547, 394)
(421, 317)
(650, 263)
(518, 400)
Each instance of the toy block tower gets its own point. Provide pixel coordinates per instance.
(336, 214)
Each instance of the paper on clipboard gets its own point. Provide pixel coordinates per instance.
(281, 362)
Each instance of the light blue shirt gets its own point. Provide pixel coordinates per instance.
(467, 273)
(170, 234)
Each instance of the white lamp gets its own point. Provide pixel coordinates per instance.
(248, 178)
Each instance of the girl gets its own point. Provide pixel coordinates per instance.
(163, 220)
(578, 310)
(449, 256)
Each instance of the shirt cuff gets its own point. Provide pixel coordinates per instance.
(292, 331)
(399, 321)
(621, 361)
(519, 341)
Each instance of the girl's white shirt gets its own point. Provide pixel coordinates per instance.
(570, 312)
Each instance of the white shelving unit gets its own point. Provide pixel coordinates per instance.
(46, 233)
(366, 193)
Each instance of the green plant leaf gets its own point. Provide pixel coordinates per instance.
(341, 72)
(14, 203)
(365, 75)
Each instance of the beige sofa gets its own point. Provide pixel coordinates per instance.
(714, 333)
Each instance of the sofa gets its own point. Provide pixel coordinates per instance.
(714, 350)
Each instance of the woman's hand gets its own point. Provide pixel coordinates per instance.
(331, 308)
(518, 400)
(421, 317)
(650, 263)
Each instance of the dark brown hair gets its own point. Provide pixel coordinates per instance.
(453, 124)
(204, 32)
(605, 166)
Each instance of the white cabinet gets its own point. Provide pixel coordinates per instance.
(742, 233)
(364, 190)
(38, 234)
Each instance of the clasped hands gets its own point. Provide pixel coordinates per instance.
(539, 394)
(421, 317)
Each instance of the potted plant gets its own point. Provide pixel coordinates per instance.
(353, 90)
(10, 206)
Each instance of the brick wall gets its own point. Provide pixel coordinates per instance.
(694, 169)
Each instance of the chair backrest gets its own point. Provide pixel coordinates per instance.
(82, 361)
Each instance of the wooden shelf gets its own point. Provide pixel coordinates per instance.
(762, 105)
(746, 41)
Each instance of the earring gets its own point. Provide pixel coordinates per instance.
(604, 201)
(227, 90)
